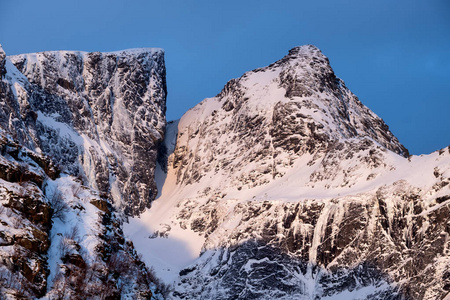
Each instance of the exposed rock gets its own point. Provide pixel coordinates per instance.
(76, 260)
(24, 230)
(31, 204)
(100, 115)
(255, 270)
(101, 204)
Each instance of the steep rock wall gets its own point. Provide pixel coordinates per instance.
(99, 115)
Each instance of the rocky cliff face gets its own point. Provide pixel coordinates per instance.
(25, 220)
(297, 190)
(100, 115)
(74, 136)
(60, 239)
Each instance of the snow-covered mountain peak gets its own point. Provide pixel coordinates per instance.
(300, 57)
(304, 83)
(305, 50)
(269, 117)
(286, 186)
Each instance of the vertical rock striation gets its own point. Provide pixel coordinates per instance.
(100, 118)
(100, 115)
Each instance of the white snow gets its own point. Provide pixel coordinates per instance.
(63, 129)
(166, 255)
(16, 79)
(85, 221)
(357, 294)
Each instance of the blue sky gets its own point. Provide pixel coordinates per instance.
(394, 55)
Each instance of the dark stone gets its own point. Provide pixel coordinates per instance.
(101, 204)
(442, 199)
(75, 259)
(65, 84)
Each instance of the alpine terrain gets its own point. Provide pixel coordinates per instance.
(283, 186)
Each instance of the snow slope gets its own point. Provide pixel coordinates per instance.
(166, 253)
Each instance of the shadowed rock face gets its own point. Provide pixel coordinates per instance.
(256, 270)
(100, 115)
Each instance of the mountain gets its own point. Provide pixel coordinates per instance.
(283, 186)
(76, 130)
(286, 186)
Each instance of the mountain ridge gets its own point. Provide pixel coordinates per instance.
(60, 222)
(282, 185)
(286, 165)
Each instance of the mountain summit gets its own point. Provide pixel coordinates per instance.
(285, 186)
(270, 116)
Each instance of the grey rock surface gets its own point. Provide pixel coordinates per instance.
(99, 115)
(65, 156)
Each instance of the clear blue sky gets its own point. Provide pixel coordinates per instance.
(394, 55)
